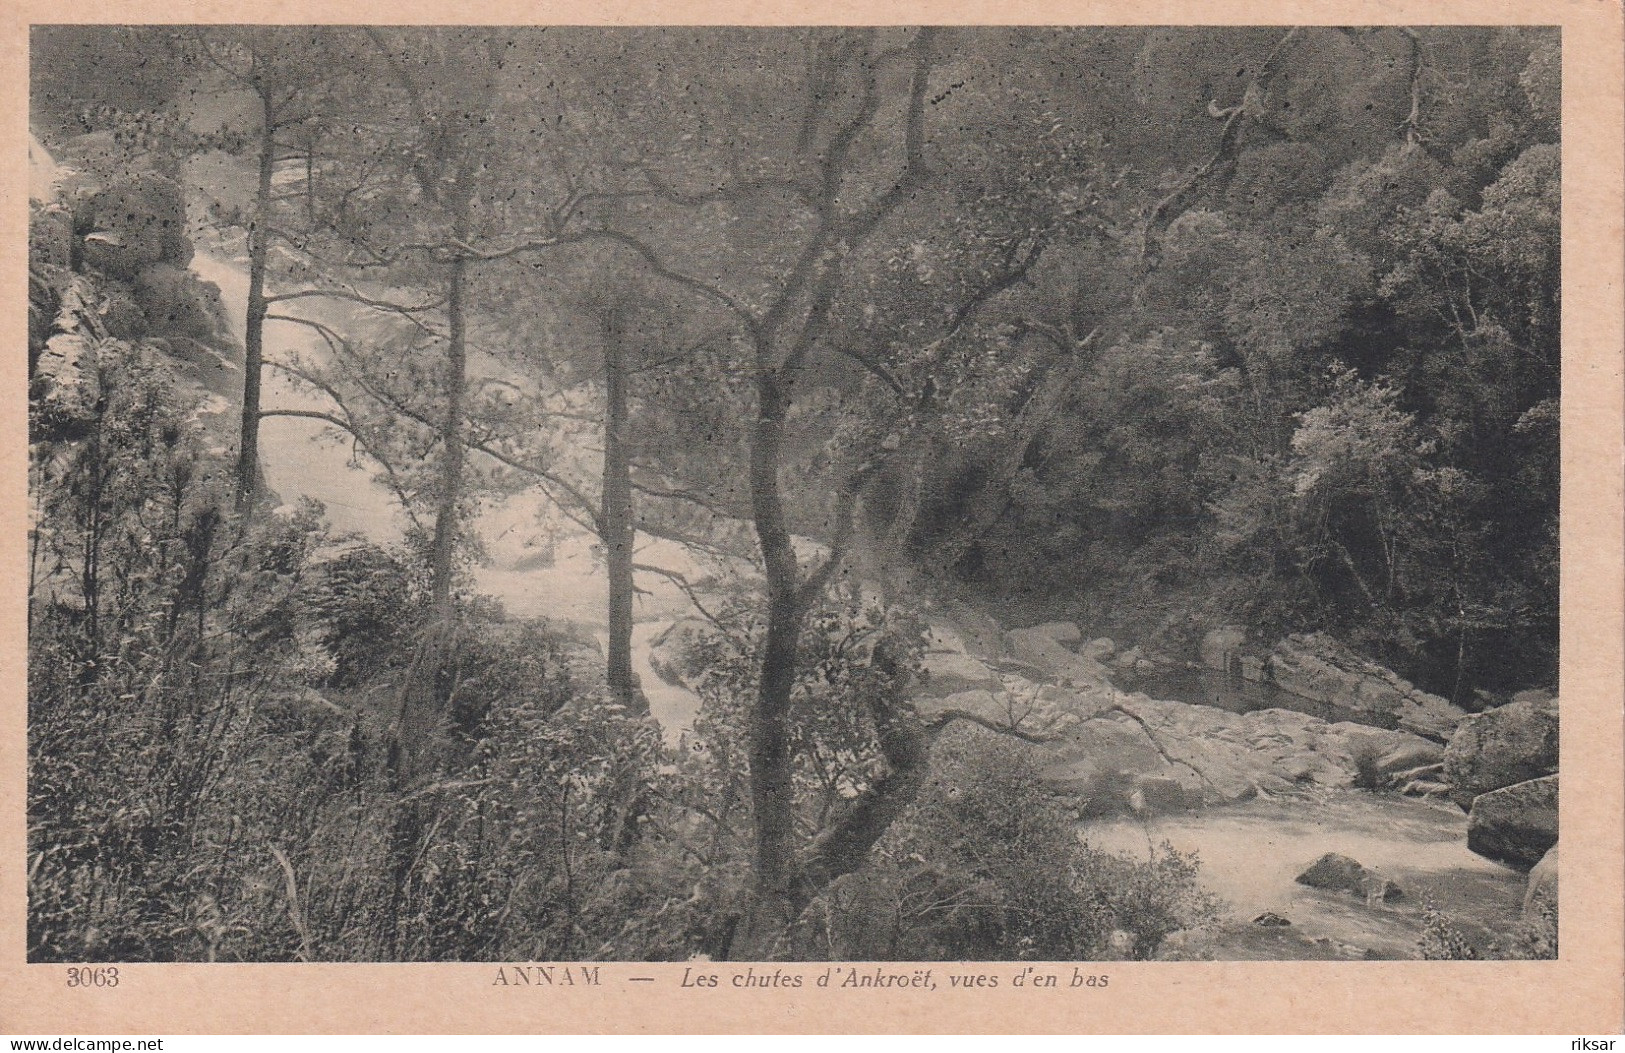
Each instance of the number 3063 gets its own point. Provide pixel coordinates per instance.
(93, 977)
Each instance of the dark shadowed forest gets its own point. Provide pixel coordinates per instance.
(525, 494)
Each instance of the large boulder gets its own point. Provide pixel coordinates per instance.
(1158, 794)
(1100, 649)
(1040, 647)
(1135, 661)
(1066, 634)
(976, 632)
(1338, 873)
(1516, 824)
(1542, 884)
(1097, 747)
(1383, 759)
(1318, 667)
(133, 224)
(941, 635)
(1499, 747)
(1216, 756)
(985, 705)
(1407, 757)
(948, 673)
(1127, 750)
(1142, 745)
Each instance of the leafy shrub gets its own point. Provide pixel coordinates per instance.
(363, 604)
(987, 866)
(1368, 774)
(1442, 941)
(208, 699)
(854, 659)
(1533, 937)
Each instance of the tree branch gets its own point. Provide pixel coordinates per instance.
(727, 192)
(875, 367)
(354, 296)
(350, 428)
(943, 718)
(420, 112)
(843, 846)
(343, 425)
(656, 266)
(689, 496)
(685, 585)
(913, 173)
(1229, 137)
(1015, 271)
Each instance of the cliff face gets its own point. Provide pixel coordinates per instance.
(108, 289)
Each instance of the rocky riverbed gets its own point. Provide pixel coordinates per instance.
(1253, 852)
(1259, 786)
(1411, 804)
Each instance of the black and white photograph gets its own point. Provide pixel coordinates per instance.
(834, 494)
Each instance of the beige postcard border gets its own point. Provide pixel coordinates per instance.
(1583, 992)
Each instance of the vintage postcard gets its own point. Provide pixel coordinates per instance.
(1077, 518)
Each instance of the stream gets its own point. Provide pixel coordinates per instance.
(1250, 852)
(534, 576)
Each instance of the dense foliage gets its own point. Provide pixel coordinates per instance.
(1155, 330)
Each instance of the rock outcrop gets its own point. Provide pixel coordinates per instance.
(1126, 752)
(1113, 752)
(109, 288)
(975, 633)
(1316, 666)
(1338, 873)
(1100, 649)
(1499, 747)
(1516, 824)
(1219, 647)
(131, 225)
(1044, 648)
(949, 672)
(1542, 884)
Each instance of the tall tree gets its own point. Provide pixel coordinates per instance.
(292, 75)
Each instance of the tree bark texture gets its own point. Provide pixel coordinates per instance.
(259, 246)
(617, 518)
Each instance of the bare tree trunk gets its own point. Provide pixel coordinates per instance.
(451, 444)
(844, 845)
(618, 532)
(773, 863)
(776, 887)
(259, 244)
(421, 704)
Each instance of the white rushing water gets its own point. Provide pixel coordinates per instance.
(303, 457)
(1250, 853)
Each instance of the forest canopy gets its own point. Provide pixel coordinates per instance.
(1152, 330)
